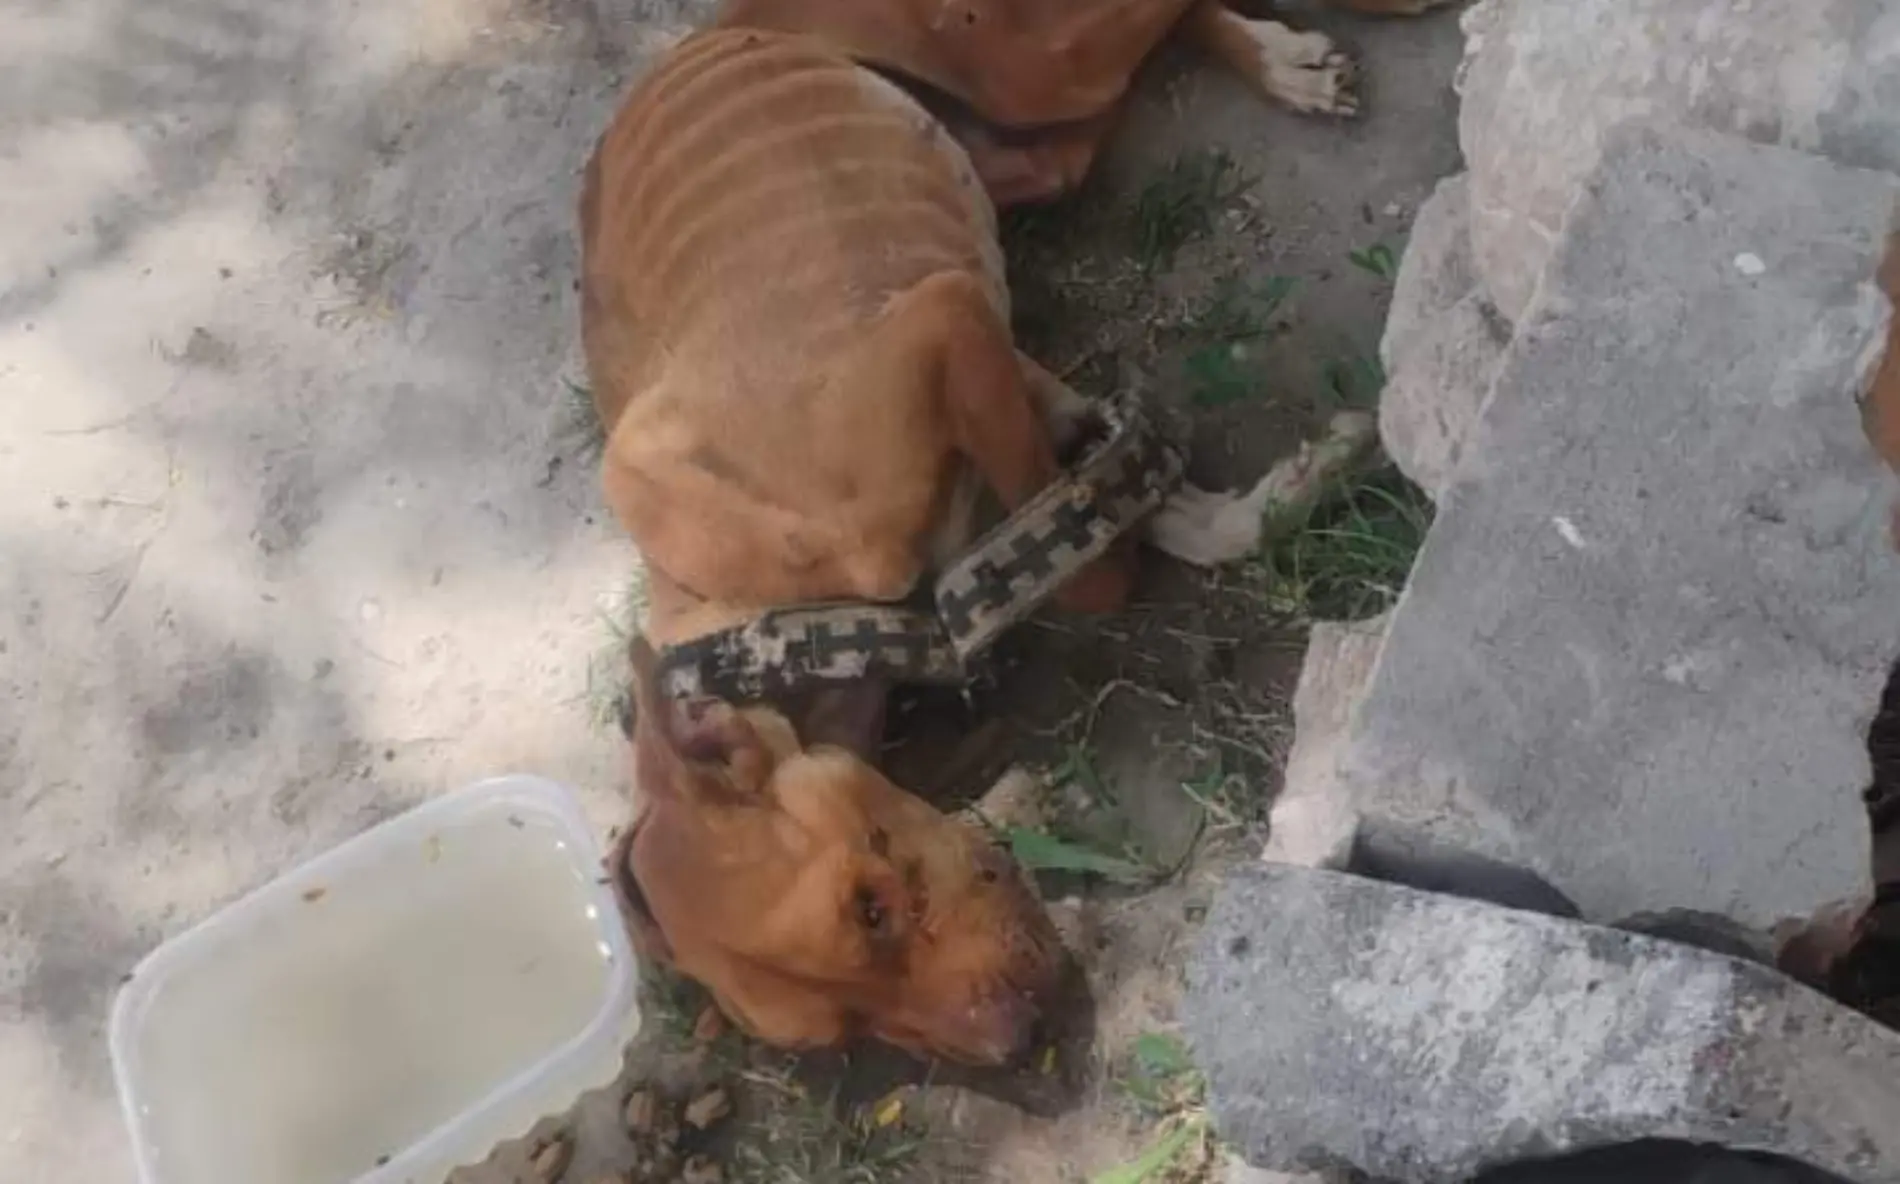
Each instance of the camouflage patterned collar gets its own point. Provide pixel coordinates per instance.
(1008, 574)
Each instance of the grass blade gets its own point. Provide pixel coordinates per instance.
(1039, 852)
(1157, 1158)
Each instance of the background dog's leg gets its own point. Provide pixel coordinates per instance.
(1043, 167)
(1207, 529)
(1055, 63)
(1391, 7)
(1305, 71)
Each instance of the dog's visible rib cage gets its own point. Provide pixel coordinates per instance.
(749, 155)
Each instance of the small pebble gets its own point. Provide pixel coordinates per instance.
(710, 1025)
(642, 1113)
(551, 1158)
(701, 1170)
(708, 1108)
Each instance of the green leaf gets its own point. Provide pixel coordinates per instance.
(1039, 852)
(1377, 259)
(1161, 1056)
(1156, 1159)
(1220, 377)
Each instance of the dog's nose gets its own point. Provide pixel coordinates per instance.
(1006, 1025)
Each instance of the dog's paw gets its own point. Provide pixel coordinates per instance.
(1306, 71)
(1205, 528)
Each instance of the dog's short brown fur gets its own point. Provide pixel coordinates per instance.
(797, 328)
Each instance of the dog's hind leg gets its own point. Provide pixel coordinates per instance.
(1304, 71)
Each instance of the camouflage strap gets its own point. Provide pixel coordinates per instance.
(1008, 574)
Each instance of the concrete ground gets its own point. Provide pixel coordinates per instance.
(295, 530)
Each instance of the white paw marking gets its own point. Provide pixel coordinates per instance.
(1306, 71)
(1205, 528)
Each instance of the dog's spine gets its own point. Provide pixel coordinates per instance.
(749, 154)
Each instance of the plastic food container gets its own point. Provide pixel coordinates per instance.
(389, 1011)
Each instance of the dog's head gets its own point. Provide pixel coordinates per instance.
(818, 901)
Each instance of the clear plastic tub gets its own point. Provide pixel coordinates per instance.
(388, 1011)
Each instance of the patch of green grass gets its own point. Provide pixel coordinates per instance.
(1353, 556)
(1078, 767)
(1038, 851)
(1178, 206)
(784, 1134)
(1162, 1081)
(1353, 382)
(1231, 800)
(580, 423)
(1242, 309)
(1159, 1075)
(1221, 375)
(801, 1139)
(1378, 259)
(1162, 1159)
(619, 615)
(1222, 369)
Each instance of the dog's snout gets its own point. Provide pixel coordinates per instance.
(1006, 1024)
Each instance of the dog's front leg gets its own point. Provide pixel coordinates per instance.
(1392, 7)
(1207, 529)
(1305, 71)
(947, 328)
(1204, 527)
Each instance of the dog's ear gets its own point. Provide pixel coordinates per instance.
(702, 744)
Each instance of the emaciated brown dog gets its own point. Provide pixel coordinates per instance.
(797, 328)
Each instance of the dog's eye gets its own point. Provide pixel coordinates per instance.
(870, 910)
(991, 862)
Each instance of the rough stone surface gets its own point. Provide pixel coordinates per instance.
(1313, 824)
(1423, 1038)
(1643, 643)
(1436, 271)
(1542, 82)
(1433, 396)
(1442, 342)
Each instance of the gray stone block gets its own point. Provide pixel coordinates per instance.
(1436, 271)
(1542, 82)
(1642, 645)
(1313, 824)
(1421, 1038)
(1435, 393)
(1442, 342)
